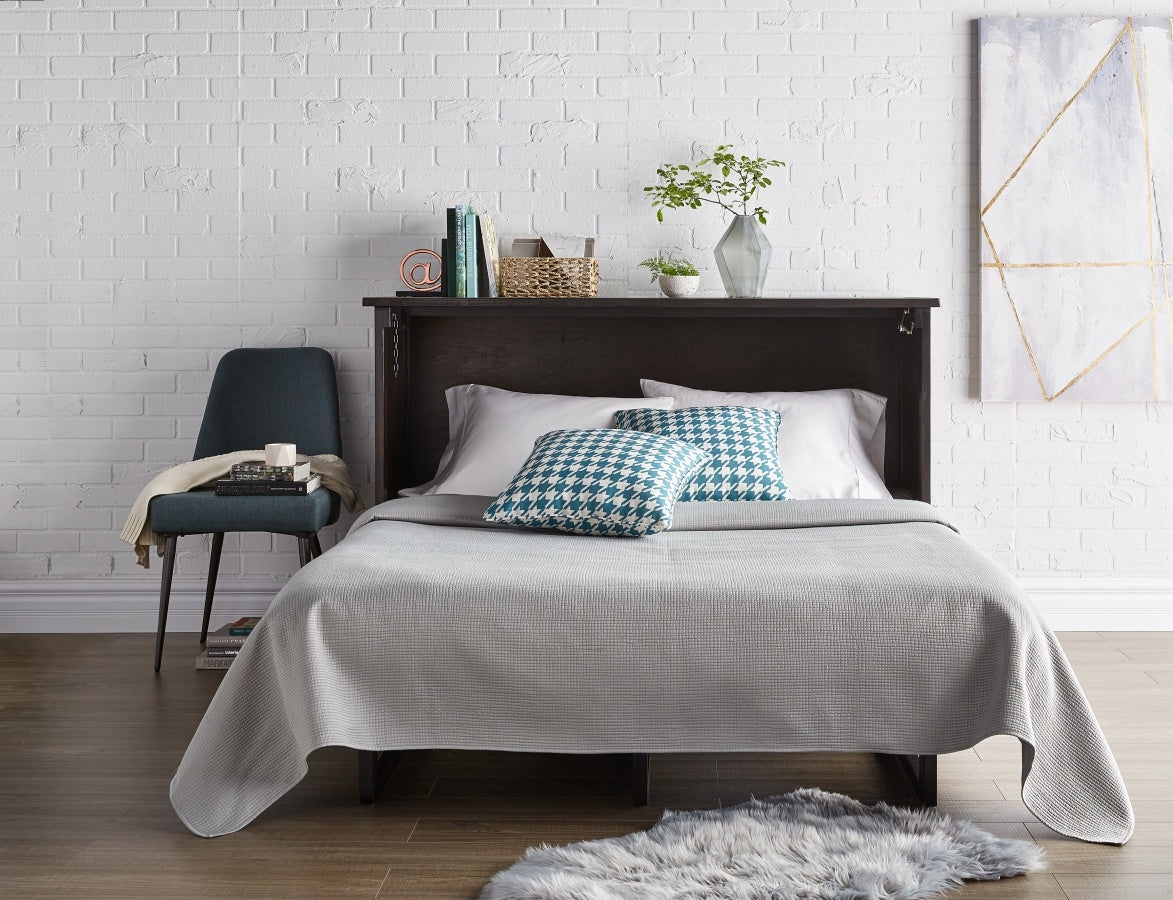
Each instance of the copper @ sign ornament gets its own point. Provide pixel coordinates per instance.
(417, 270)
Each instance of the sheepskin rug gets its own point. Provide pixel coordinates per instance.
(807, 844)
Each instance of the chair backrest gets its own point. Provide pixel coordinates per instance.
(272, 395)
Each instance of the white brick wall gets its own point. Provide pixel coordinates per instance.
(181, 177)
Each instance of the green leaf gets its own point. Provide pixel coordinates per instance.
(660, 215)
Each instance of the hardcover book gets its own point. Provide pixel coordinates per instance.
(448, 269)
(232, 487)
(261, 472)
(203, 661)
(221, 639)
(460, 250)
(492, 253)
(470, 253)
(243, 626)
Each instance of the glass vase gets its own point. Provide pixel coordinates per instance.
(743, 257)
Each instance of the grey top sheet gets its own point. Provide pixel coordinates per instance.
(844, 625)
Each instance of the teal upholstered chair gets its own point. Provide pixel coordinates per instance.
(258, 397)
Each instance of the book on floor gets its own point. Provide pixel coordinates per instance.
(204, 661)
(231, 487)
(243, 626)
(221, 639)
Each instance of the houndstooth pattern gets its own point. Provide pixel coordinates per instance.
(742, 440)
(599, 481)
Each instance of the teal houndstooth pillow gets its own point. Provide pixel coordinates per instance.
(599, 481)
(742, 440)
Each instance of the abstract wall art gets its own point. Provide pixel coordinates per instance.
(1076, 200)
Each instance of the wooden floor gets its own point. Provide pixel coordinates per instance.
(89, 738)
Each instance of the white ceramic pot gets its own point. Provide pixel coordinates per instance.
(679, 285)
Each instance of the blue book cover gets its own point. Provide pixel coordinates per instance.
(461, 280)
(470, 253)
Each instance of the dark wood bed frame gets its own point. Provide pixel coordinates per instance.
(604, 346)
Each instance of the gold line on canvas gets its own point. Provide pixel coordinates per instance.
(1140, 55)
(1058, 116)
(1149, 316)
(1014, 309)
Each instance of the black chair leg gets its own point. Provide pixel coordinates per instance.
(316, 546)
(169, 542)
(303, 549)
(213, 568)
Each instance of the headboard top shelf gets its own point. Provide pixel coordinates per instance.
(621, 305)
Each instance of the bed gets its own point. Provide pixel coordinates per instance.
(804, 625)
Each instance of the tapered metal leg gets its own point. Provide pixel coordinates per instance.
(303, 550)
(316, 545)
(169, 543)
(213, 568)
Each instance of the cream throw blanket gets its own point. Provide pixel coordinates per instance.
(200, 472)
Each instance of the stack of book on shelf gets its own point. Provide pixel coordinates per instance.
(258, 479)
(471, 256)
(225, 642)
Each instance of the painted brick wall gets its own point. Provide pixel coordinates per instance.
(178, 178)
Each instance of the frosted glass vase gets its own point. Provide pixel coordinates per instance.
(743, 257)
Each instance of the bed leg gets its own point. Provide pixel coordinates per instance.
(641, 776)
(921, 772)
(374, 771)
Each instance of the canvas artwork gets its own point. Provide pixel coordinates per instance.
(1076, 203)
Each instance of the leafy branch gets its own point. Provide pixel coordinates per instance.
(667, 264)
(738, 181)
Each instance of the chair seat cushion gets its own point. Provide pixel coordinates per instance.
(202, 512)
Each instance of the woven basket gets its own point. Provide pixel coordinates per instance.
(549, 276)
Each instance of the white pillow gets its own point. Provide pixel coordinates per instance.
(491, 433)
(830, 444)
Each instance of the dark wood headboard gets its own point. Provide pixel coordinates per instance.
(603, 347)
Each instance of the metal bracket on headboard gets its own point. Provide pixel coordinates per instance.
(907, 322)
(395, 346)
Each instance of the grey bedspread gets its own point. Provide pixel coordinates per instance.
(802, 625)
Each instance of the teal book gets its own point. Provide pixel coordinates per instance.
(461, 280)
(470, 253)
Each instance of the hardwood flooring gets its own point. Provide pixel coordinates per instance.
(89, 738)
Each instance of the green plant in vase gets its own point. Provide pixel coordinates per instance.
(731, 182)
(677, 276)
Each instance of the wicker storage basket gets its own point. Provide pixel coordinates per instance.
(549, 276)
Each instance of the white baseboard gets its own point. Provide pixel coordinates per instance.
(1103, 604)
(106, 605)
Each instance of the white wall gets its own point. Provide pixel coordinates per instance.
(178, 178)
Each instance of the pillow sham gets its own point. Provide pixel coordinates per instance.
(831, 443)
(491, 432)
(599, 481)
(742, 441)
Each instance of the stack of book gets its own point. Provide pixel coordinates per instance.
(225, 643)
(258, 479)
(472, 258)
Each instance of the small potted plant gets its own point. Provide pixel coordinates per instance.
(677, 276)
(743, 253)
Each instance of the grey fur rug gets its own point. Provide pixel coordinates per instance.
(806, 845)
